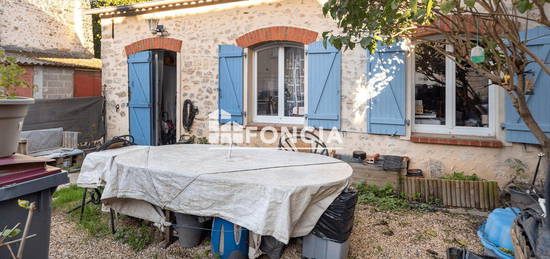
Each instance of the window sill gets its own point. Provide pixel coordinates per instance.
(457, 140)
(276, 126)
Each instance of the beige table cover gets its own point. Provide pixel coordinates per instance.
(270, 192)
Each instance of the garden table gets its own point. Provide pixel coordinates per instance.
(270, 192)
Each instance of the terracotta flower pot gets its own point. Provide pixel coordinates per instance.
(12, 113)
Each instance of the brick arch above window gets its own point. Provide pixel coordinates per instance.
(277, 33)
(153, 43)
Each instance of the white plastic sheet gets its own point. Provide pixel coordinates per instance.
(269, 192)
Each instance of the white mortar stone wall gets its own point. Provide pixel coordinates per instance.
(202, 29)
(57, 83)
(46, 25)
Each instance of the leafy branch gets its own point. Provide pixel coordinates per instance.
(15, 231)
(11, 76)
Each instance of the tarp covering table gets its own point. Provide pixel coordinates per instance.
(269, 192)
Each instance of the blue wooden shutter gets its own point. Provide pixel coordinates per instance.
(386, 74)
(516, 130)
(140, 97)
(324, 76)
(231, 83)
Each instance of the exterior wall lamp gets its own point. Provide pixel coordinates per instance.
(155, 28)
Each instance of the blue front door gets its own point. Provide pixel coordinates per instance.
(140, 103)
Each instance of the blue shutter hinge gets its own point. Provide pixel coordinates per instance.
(503, 125)
(243, 113)
(407, 122)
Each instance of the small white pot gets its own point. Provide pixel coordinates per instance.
(12, 113)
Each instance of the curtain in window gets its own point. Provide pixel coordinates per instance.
(294, 82)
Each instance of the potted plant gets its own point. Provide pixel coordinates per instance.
(13, 109)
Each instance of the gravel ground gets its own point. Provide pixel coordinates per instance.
(376, 234)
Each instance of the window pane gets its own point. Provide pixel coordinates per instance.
(472, 98)
(429, 86)
(294, 81)
(267, 90)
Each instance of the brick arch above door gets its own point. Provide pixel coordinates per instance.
(277, 33)
(153, 43)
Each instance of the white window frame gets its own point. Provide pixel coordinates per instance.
(280, 118)
(450, 127)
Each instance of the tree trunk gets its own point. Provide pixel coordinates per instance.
(525, 114)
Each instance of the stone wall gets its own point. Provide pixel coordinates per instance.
(46, 25)
(202, 29)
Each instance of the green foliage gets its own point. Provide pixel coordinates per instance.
(461, 177)
(137, 237)
(96, 223)
(416, 196)
(96, 22)
(10, 232)
(517, 165)
(523, 5)
(66, 197)
(24, 204)
(14, 231)
(11, 76)
(371, 21)
(368, 22)
(384, 198)
(447, 6)
(470, 3)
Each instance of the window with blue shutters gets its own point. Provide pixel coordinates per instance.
(140, 103)
(516, 130)
(278, 92)
(386, 74)
(324, 78)
(231, 83)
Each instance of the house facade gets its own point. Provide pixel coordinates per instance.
(52, 40)
(264, 63)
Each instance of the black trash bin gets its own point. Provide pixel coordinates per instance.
(329, 238)
(36, 185)
(337, 221)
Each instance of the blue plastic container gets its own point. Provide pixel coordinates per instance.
(495, 232)
(229, 241)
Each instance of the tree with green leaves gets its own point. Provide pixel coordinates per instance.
(499, 27)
